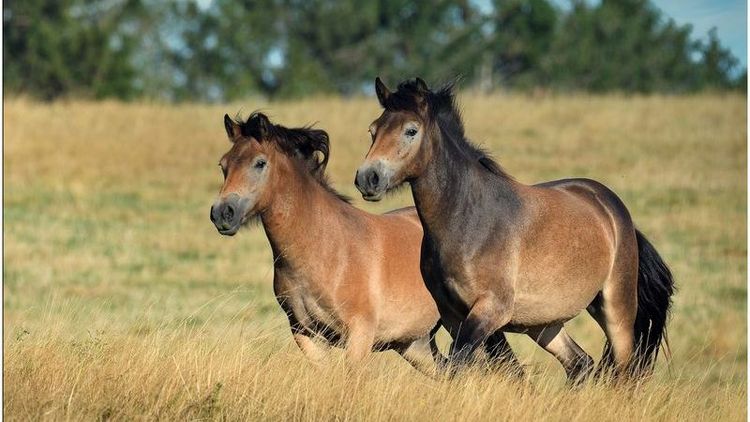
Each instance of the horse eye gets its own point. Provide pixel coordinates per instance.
(223, 171)
(260, 164)
(411, 131)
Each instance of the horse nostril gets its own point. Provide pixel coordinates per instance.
(373, 179)
(211, 214)
(228, 213)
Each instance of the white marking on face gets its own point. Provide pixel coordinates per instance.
(411, 135)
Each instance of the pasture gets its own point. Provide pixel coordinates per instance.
(122, 301)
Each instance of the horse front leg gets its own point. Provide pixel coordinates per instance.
(360, 340)
(312, 350)
(486, 316)
(501, 355)
(424, 355)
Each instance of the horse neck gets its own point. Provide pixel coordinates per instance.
(456, 190)
(297, 221)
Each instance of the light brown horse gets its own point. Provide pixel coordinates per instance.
(501, 255)
(342, 275)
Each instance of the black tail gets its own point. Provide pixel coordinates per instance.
(655, 289)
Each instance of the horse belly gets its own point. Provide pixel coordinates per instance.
(532, 310)
(404, 326)
(558, 284)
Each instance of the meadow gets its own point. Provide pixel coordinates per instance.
(121, 301)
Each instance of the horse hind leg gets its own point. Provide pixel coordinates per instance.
(607, 363)
(616, 315)
(554, 339)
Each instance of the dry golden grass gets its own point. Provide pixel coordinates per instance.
(121, 300)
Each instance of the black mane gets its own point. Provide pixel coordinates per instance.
(300, 143)
(442, 108)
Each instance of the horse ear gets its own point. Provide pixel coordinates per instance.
(382, 91)
(321, 144)
(233, 129)
(264, 125)
(423, 93)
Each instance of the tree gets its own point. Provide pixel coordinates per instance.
(222, 50)
(343, 45)
(52, 48)
(717, 64)
(622, 45)
(523, 32)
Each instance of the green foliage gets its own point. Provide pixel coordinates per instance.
(54, 48)
(523, 35)
(224, 49)
(623, 45)
(716, 63)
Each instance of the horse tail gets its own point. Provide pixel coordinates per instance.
(655, 289)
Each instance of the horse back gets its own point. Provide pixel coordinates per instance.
(589, 190)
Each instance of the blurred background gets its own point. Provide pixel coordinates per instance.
(221, 50)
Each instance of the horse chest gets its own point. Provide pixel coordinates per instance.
(447, 289)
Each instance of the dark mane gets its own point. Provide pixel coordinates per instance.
(442, 108)
(307, 145)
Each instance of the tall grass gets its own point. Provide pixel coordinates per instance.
(121, 301)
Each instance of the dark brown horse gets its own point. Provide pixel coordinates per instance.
(499, 255)
(342, 275)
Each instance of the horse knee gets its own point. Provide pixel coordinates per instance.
(485, 318)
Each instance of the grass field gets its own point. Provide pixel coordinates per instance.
(121, 300)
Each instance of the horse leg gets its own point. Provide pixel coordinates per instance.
(309, 348)
(359, 342)
(619, 307)
(424, 355)
(485, 318)
(607, 362)
(440, 361)
(554, 339)
(303, 337)
(419, 354)
(500, 353)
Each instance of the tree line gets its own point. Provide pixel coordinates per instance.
(217, 50)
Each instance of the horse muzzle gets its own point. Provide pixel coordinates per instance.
(372, 181)
(228, 214)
